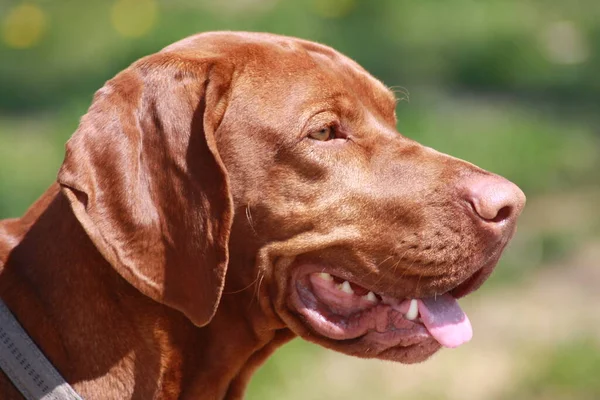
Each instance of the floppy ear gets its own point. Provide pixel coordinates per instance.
(145, 180)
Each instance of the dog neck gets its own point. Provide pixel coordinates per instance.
(106, 338)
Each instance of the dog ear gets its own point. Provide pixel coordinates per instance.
(144, 178)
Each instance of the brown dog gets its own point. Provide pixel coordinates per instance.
(229, 193)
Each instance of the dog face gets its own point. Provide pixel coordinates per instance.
(364, 237)
(276, 161)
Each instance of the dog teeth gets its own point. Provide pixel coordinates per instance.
(413, 311)
(325, 276)
(371, 297)
(346, 288)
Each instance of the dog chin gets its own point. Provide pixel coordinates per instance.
(365, 348)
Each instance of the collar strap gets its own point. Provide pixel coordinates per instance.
(26, 366)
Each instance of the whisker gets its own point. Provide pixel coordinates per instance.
(402, 91)
(250, 220)
(376, 268)
(257, 291)
(241, 290)
(404, 272)
(418, 282)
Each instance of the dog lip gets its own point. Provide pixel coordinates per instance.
(474, 281)
(382, 323)
(340, 274)
(458, 290)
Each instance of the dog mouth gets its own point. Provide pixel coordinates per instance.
(341, 309)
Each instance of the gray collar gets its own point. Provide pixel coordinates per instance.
(26, 366)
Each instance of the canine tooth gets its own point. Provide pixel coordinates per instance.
(325, 276)
(371, 297)
(413, 310)
(346, 288)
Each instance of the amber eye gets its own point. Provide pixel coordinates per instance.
(324, 134)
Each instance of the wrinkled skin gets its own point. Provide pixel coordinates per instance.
(194, 202)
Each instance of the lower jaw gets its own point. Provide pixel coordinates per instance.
(408, 350)
(390, 346)
(408, 354)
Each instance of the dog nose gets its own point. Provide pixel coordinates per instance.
(494, 200)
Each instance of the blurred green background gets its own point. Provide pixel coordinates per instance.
(511, 85)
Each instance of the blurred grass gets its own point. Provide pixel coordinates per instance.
(273, 378)
(511, 86)
(568, 372)
(540, 151)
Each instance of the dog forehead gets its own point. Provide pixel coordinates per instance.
(283, 60)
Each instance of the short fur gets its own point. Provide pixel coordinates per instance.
(158, 265)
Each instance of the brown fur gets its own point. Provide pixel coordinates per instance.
(158, 265)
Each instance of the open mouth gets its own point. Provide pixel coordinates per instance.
(340, 309)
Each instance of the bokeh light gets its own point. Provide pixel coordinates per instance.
(333, 8)
(24, 26)
(564, 43)
(134, 18)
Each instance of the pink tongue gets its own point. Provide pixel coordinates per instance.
(445, 320)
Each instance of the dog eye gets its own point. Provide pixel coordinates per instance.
(324, 134)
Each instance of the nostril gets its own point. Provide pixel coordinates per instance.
(490, 212)
(503, 214)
